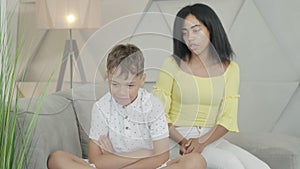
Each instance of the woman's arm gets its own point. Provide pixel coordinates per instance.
(198, 144)
(175, 135)
(229, 107)
(178, 138)
(164, 84)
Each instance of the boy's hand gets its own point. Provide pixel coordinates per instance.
(105, 144)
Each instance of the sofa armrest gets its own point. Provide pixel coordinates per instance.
(55, 129)
(278, 151)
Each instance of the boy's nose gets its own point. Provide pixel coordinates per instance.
(124, 91)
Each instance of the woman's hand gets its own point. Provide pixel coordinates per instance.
(193, 145)
(105, 144)
(182, 144)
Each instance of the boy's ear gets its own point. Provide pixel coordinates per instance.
(107, 73)
(143, 78)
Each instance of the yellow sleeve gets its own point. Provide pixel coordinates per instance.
(164, 84)
(229, 108)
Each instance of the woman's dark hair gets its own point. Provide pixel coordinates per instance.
(220, 46)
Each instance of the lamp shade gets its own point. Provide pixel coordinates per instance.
(68, 14)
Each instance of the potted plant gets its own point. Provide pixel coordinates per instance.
(15, 138)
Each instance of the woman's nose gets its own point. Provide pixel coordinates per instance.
(190, 36)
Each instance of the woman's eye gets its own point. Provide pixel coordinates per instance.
(130, 86)
(196, 30)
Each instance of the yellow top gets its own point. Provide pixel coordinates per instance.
(191, 100)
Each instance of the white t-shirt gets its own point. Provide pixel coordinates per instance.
(130, 127)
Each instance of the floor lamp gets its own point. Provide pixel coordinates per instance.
(70, 52)
(69, 15)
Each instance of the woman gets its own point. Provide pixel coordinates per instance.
(199, 87)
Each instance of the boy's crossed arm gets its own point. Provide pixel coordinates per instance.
(160, 155)
(104, 158)
(107, 147)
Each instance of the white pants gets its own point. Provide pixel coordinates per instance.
(222, 154)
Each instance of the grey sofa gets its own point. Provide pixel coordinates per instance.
(59, 127)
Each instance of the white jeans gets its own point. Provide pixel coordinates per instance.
(221, 154)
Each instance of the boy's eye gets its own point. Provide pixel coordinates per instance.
(131, 85)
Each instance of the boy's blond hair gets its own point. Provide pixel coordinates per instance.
(127, 59)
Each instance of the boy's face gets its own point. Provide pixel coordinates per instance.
(125, 89)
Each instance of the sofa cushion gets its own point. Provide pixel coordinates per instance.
(56, 127)
(83, 98)
(279, 151)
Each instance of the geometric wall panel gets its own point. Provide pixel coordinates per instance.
(282, 18)
(227, 16)
(258, 52)
(289, 120)
(262, 103)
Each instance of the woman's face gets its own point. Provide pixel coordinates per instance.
(195, 35)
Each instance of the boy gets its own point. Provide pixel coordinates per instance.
(128, 128)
